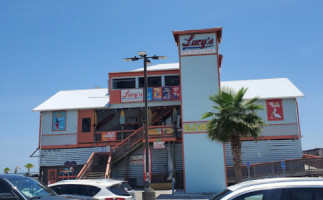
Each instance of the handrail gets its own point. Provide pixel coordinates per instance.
(108, 169)
(85, 167)
(126, 139)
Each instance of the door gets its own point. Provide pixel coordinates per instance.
(52, 176)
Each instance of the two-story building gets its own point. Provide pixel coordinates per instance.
(98, 132)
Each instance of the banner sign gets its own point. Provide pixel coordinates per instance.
(167, 93)
(153, 94)
(195, 44)
(149, 94)
(176, 93)
(109, 136)
(157, 94)
(137, 160)
(132, 95)
(195, 127)
(59, 121)
(274, 110)
(159, 145)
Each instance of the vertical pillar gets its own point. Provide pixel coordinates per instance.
(204, 164)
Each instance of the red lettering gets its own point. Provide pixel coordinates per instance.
(188, 41)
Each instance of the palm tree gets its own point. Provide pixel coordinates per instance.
(6, 170)
(234, 118)
(29, 166)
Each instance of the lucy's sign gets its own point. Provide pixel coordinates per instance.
(133, 95)
(198, 44)
(195, 127)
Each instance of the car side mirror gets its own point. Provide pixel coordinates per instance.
(8, 196)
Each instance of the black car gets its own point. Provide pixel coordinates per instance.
(18, 187)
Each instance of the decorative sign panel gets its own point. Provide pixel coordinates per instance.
(59, 121)
(109, 136)
(274, 110)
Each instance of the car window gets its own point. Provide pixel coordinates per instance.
(222, 194)
(273, 194)
(118, 190)
(29, 187)
(303, 193)
(126, 186)
(6, 192)
(74, 189)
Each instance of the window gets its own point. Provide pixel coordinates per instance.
(154, 81)
(85, 190)
(261, 195)
(302, 193)
(172, 80)
(118, 190)
(86, 125)
(123, 83)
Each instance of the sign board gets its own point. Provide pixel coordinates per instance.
(195, 44)
(109, 136)
(137, 160)
(283, 164)
(274, 110)
(159, 145)
(132, 95)
(248, 164)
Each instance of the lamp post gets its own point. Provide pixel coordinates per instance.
(148, 193)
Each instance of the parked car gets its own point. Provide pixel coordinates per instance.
(102, 189)
(19, 187)
(275, 189)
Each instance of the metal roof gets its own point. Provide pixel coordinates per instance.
(159, 67)
(99, 98)
(76, 99)
(266, 88)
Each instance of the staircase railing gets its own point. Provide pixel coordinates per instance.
(86, 168)
(160, 115)
(122, 149)
(108, 169)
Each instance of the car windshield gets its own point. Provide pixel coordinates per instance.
(30, 188)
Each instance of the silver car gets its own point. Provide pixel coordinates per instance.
(275, 189)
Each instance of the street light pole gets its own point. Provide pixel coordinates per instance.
(148, 194)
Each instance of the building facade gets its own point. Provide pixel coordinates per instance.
(98, 132)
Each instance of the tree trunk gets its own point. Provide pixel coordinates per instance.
(236, 154)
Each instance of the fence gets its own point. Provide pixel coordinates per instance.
(293, 168)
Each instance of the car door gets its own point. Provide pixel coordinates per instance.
(300, 193)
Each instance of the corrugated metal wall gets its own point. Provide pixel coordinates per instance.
(277, 130)
(71, 123)
(48, 140)
(289, 109)
(159, 164)
(57, 157)
(266, 151)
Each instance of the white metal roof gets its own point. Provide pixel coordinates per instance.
(76, 99)
(266, 88)
(167, 66)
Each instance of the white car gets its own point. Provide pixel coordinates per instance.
(275, 189)
(101, 189)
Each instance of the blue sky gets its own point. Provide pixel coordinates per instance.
(47, 46)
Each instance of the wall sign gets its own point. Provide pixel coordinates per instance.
(137, 160)
(157, 94)
(59, 121)
(195, 127)
(274, 110)
(176, 93)
(132, 95)
(109, 136)
(198, 44)
(159, 145)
